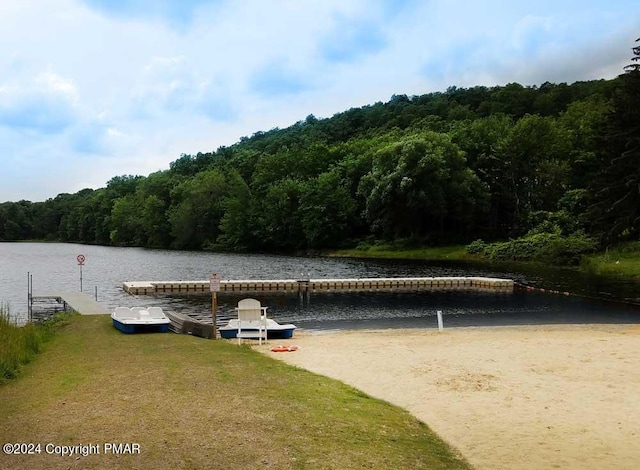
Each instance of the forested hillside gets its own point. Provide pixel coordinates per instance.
(469, 163)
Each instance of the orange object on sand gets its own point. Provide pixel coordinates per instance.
(281, 348)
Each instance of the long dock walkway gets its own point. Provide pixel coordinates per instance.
(75, 301)
(317, 285)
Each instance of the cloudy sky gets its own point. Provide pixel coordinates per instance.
(91, 89)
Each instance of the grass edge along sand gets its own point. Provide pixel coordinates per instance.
(195, 403)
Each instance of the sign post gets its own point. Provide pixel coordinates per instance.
(214, 287)
(81, 259)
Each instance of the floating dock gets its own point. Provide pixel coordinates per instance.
(78, 302)
(325, 285)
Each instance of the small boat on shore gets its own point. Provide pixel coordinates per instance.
(274, 329)
(140, 320)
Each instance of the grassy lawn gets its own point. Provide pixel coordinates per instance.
(455, 252)
(623, 261)
(195, 403)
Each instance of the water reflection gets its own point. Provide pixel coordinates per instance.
(327, 310)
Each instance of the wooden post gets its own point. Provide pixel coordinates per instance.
(214, 311)
(29, 302)
(214, 287)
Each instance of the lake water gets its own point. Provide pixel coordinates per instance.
(54, 268)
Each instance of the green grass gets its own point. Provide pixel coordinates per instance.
(621, 261)
(195, 403)
(19, 345)
(455, 252)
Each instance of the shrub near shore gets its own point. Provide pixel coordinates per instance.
(552, 248)
(543, 247)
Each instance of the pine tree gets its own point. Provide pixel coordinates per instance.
(616, 190)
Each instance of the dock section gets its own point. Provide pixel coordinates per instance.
(319, 285)
(78, 302)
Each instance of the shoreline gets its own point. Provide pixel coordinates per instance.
(615, 264)
(526, 396)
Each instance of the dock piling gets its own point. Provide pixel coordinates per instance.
(440, 323)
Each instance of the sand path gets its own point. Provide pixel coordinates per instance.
(532, 397)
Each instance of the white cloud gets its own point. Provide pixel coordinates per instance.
(114, 133)
(45, 104)
(163, 63)
(56, 84)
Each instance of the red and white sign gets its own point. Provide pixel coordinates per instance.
(81, 259)
(214, 283)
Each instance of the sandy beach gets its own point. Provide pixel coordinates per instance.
(526, 397)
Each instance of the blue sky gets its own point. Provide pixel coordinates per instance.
(91, 89)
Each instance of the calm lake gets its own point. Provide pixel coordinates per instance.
(54, 268)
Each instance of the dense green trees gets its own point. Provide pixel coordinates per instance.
(421, 186)
(505, 162)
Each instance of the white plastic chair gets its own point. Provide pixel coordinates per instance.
(140, 313)
(123, 313)
(156, 313)
(252, 318)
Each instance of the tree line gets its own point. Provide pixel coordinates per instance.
(494, 163)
